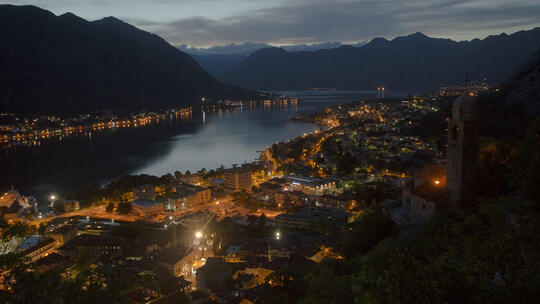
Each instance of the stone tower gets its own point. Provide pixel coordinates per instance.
(462, 152)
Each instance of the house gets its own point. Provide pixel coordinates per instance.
(198, 297)
(146, 207)
(69, 206)
(49, 262)
(14, 206)
(28, 243)
(181, 261)
(144, 192)
(142, 295)
(91, 245)
(422, 203)
(304, 218)
(63, 234)
(42, 249)
(215, 272)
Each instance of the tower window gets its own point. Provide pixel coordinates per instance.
(455, 132)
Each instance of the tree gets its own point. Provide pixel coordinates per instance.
(124, 208)
(42, 228)
(526, 165)
(366, 232)
(18, 230)
(110, 207)
(261, 223)
(3, 223)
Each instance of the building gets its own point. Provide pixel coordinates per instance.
(13, 197)
(147, 207)
(91, 245)
(437, 191)
(69, 206)
(28, 243)
(238, 179)
(42, 249)
(13, 206)
(424, 202)
(63, 234)
(144, 191)
(187, 196)
(305, 218)
(462, 151)
(181, 261)
(343, 201)
(310, 185)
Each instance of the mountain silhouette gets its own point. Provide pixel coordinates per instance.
(66, 63)
(412, 62)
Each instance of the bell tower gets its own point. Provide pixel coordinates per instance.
(462, 153)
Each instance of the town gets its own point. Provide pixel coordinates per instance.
(227, 234)
(21, 130)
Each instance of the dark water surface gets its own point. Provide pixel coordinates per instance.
(204, 141)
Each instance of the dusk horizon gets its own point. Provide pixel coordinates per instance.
(269, 152)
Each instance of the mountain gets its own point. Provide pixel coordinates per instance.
(65, 63)
(411, 62)
(249, 47)
(219, 59)
(523, 90)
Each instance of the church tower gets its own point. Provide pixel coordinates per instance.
(462, 153)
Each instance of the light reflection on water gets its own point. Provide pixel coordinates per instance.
(223, 138)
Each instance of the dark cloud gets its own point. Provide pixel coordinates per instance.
(318, 21)
(211, 22)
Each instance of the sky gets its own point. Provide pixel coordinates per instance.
(204, 23)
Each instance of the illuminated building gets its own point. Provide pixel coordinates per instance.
(147, 207)
(187, 196)
(42, 249)
(310, 185)
(238, 179)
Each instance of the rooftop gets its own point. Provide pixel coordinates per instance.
(143, 202)
(432, 193)
(306, 180)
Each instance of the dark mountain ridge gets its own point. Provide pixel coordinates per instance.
(66, 63)
(413, 62)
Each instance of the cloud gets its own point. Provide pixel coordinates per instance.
(307, 21)
(211, 22)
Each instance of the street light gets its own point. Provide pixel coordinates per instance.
(52, 197)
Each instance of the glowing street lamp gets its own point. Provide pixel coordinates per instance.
(52, 198)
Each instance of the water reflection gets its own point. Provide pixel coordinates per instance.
(209, 140)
